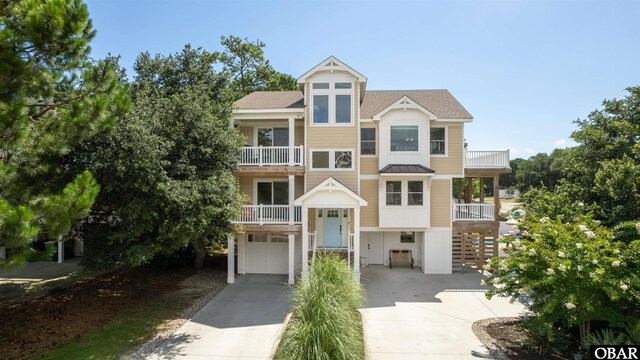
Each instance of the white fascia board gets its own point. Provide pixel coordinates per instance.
(341, 66)
(405, 102)
(454, 120)
(258, 114)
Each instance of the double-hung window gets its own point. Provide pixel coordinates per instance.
(368, 141)
(332, 159)
(438, 141)
(414, 193)
(332, 103)
(404, 138)
(394, 193)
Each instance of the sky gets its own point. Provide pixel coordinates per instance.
(525, 70)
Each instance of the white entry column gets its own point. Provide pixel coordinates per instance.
(292, 133)
(231, 268)
(356, 242)
(305, 242)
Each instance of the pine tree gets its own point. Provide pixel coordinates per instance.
(52, 97)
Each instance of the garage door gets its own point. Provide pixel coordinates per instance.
(267, 254)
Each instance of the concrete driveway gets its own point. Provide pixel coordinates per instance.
(242, 322)
(410, 315)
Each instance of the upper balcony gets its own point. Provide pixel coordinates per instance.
(272, 156)
(487, 162)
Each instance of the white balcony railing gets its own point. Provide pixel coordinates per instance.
(272, 155)
(269, 214)
(487, 159)
(470, 212)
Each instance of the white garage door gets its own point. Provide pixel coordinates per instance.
(267, 254)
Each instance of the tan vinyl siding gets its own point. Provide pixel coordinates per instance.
(299, 135)
(299, 186)
(369, 213)
(332, 137)
(247, 131)
(440, 203)
(246, 187)
(452, 163)
(369, 166)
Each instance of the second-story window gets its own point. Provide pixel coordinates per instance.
(273, 137)
(332, 103)
(438, 141)
(404, 138)
(368, 141)
(332, 160)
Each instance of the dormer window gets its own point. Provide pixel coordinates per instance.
(332, 103)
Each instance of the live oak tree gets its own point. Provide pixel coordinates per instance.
(166, 170)
(52, 96)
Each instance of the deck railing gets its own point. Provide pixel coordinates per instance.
(269, 214)
(471, 212)
(487, 159)
(272, 156)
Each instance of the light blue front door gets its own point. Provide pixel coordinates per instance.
(332, 228)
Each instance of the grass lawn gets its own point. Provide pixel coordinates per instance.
(126, 331)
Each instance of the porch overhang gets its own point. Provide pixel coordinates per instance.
(330, 193)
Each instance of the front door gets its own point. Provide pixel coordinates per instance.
(332, 228)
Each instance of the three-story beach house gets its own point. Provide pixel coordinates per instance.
(337, 167)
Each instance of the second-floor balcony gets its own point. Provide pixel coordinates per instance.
(269, 214)
(272, 156)
(487, 159)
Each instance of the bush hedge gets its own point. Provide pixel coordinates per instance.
(325, 322)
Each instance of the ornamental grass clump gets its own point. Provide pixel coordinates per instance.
(325, 322)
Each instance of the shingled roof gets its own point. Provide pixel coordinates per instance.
(272, 100)
(439, 102)
(406, 169)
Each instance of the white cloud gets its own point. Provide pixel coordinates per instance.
(560, 143)
(530, 151)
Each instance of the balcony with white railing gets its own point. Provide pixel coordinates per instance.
(473, 212)
(490, 159)
(272, 156)
(269, 214)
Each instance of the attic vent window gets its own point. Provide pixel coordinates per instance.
(343, 85)
(320, 85)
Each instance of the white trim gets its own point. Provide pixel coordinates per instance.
(446, 141)
(454, 120)
(366, 120)
(268, 110)
(338, 66)
(332, 161)
(369, 177)
(405, 103)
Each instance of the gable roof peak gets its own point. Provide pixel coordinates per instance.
(332, 63)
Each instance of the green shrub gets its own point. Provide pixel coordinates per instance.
(545, 338)
(325, 322)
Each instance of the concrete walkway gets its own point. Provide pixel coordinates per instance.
(242, 322)
(410, 315)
